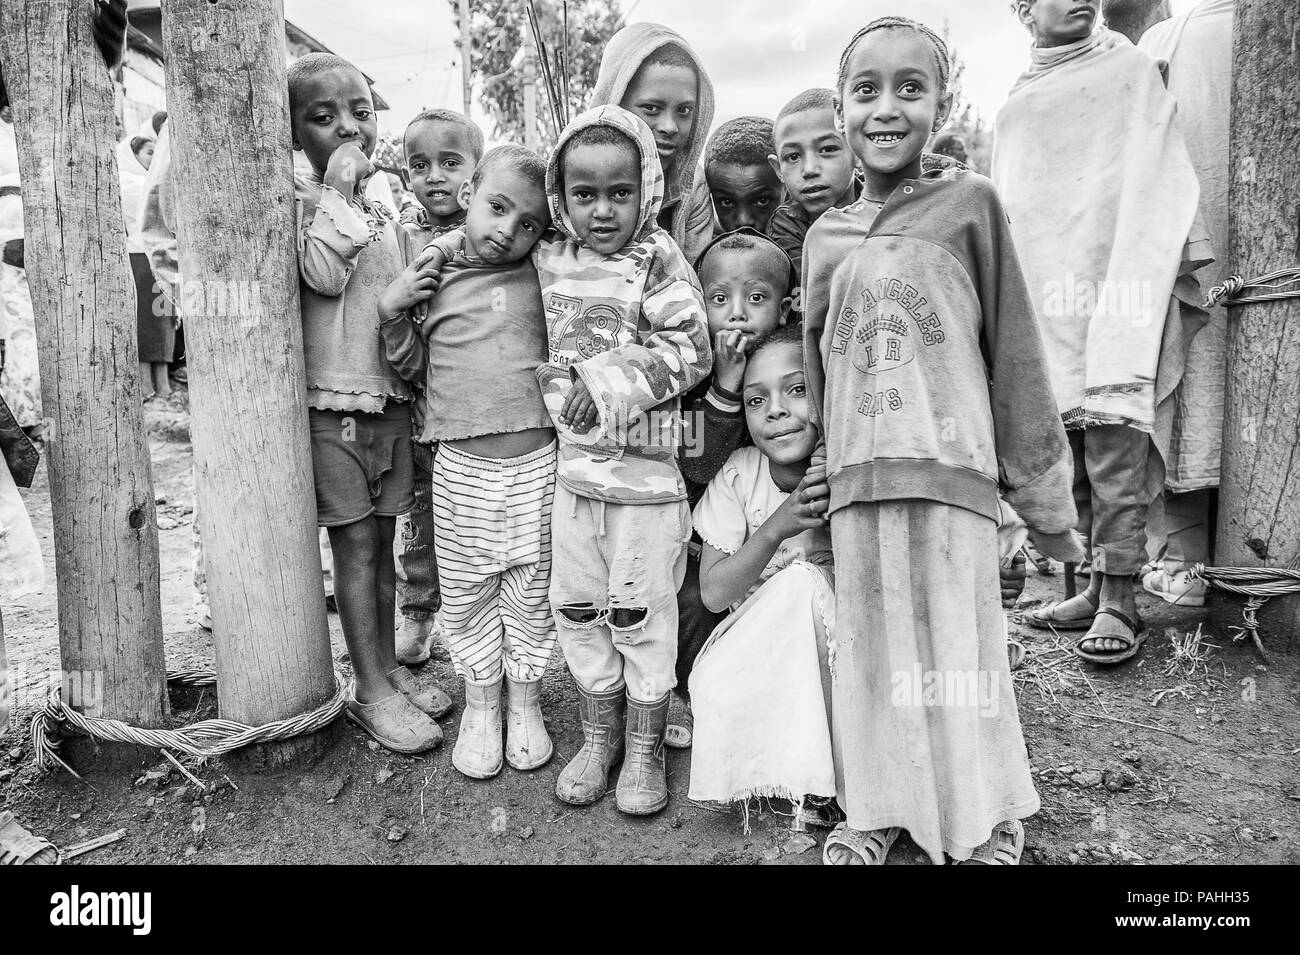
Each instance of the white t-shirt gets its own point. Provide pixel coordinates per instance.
(736, 503)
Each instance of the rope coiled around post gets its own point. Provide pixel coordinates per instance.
(201, 740)
(1274, 287)
(1257, 584)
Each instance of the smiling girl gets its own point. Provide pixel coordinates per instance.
(762, 692)
(927, 376)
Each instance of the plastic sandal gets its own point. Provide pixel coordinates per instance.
(871, 847)
(1136, 636)
(1003, 848)
(20, 847)
(1015, 653)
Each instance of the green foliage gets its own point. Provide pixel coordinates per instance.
(498, 29)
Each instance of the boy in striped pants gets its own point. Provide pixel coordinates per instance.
(477, 353)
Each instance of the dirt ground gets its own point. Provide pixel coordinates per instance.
(1177, 758)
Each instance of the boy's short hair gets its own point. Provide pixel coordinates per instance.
(306, 68)
(808, 100)
(745, 141)
(138, 143)
(790, 333)
(476, 140)
(159, 118)
(670, 54)
(749, 240)
(523, 161)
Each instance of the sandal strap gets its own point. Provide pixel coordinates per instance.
(1134, 627)
(871, 847)
(1004, 847)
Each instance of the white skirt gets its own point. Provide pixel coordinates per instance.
(760, 691)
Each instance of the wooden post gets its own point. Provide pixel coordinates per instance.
(1259, 513)
(466, 48)
(229, 119)
(83, 296)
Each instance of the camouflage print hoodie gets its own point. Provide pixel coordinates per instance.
(632, 327)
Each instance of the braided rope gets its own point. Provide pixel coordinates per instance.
(1283, 284)
(1258, 584)
(201, 740)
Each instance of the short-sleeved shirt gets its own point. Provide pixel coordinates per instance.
(739, 499)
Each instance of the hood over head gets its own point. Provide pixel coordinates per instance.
(643, 141)
(626, 51)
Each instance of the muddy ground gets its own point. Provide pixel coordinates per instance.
(1177, 758)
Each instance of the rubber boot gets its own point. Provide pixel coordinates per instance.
(643, 784)
(586, 778)
(477, 753)
(528, 745)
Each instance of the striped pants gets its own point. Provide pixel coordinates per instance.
(492, 544)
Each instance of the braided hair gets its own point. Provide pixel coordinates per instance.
(942, 58)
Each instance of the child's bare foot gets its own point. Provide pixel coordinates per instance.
(161, 382)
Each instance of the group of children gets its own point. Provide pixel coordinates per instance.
(664, 447)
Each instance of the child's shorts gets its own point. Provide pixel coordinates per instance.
(362, 464)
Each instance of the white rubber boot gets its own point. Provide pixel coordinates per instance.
(477, 753)
(528, 745)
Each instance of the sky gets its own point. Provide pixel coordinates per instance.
(759, 53)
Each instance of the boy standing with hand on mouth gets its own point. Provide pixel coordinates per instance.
(359, 406)
(748, 287)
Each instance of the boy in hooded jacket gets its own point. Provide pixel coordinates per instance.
(627, 336)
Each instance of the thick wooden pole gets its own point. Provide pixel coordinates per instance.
(232, 171)
(83, 296)
(1259, 515)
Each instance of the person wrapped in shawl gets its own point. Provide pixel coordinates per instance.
(1102, 199)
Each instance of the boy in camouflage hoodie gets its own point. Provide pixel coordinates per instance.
(627, 336)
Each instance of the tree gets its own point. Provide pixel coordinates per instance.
(499, 28)
(248, 402)
(965, 120)
(101, 490)
(1259, 513)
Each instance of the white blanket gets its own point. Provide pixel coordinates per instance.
(1102, 198)
(761, 712)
